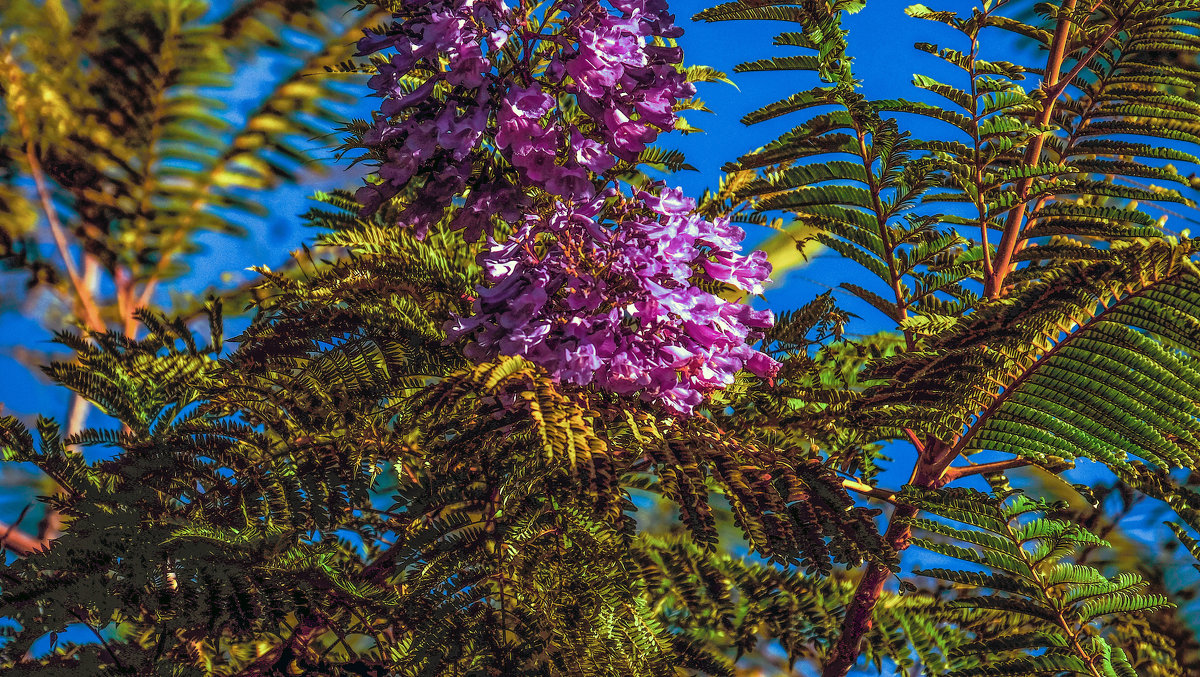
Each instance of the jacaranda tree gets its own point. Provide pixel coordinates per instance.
(427, 453)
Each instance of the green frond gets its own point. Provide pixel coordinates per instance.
(1027, 577)
(794, 103)
(782, 63)
(1067, 387)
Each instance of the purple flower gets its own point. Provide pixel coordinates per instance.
(590, 153)
(400, 167)
(497, 38)
(682, 400)
(536, 157)
(460, 135)
(625, 83)
(524, 341)
(747, 273)
(658, 111)
(761, 364)
(372, 42)
(602, 55)
(640, 6)
(669, 201)
(523, 308)
(469, 71)
(418, 95)
(484, 202)
(530, 102)
(371, 197)
(648, 330)
(571, 182)
(580, 364)
(600, 289)
(627, 138)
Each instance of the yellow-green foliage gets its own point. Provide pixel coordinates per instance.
(345, 493)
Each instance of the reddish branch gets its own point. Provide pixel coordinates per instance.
(1033, 154)
(19, 542)
(955, 473)
(87, 304)
(859, 613)
(862, 607)
(1053, 86)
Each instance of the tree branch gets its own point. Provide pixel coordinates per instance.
(87, 304)
(1057, 90)
(91, 314)
(868, 490)
(953, 473)
(20, 542)
(1016, 216)
(870, 587)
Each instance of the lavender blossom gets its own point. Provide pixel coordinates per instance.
(596, 295)
(597, 286)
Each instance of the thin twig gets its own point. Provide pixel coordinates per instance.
(868, 490)
(91, 315)
(1016, 216)
(107, 647)
(18, 541)
(955, 473)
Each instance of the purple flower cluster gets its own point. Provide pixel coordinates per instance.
(625, 86)
(601, 293)
(598, 287)
(605, 63)
(448, 46)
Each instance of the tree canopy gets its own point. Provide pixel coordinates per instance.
(522, 408)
